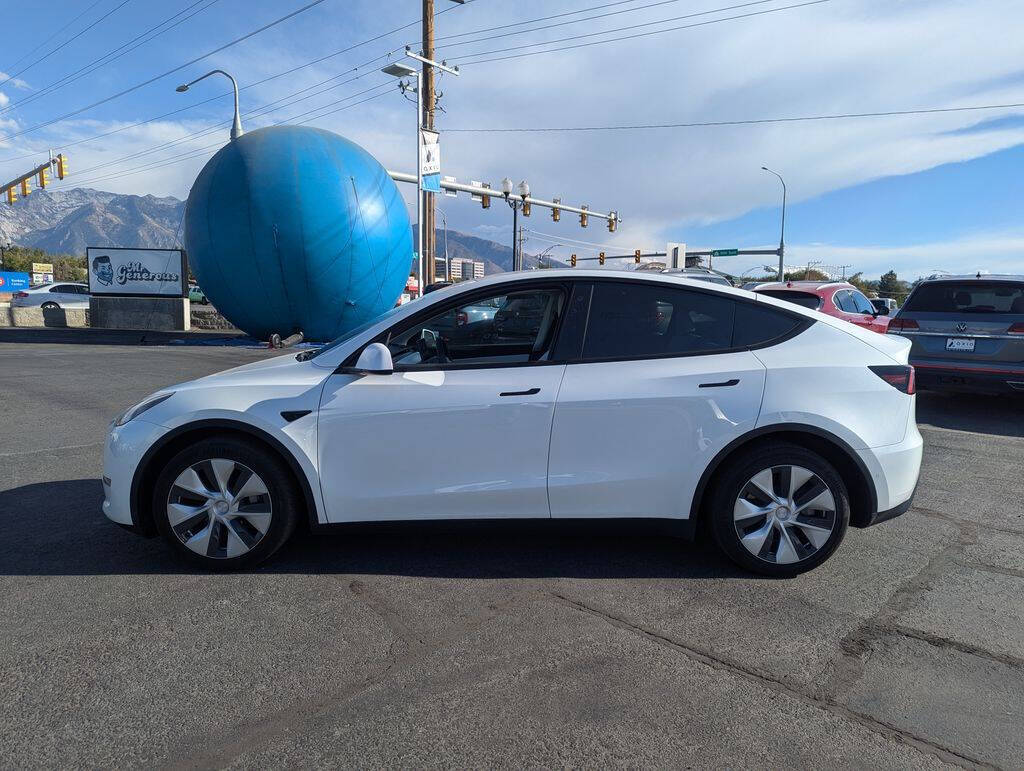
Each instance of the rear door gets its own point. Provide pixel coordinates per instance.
(662, 382)
(965, 323)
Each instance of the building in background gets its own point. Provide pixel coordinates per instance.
(463, 269)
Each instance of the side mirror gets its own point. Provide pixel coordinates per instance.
(375, 359)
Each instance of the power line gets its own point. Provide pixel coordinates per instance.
(179, 110)
(107, 58)
(601, 16)
(193, 154)
(69, 40)
(532, 21)
(51, 37)
(746, 122)
(137, 86)
(624, 37)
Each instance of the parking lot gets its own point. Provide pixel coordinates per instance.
(508, 646)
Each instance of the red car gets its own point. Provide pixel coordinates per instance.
(836, 298)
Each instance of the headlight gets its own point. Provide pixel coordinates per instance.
(138, 409)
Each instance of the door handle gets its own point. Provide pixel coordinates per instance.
(723, 384)
(528, 392)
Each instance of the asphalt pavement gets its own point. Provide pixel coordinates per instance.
(506, 647)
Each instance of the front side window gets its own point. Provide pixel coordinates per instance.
(509, 328)
(638, 319)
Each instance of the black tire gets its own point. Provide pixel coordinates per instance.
(284, 497)
(733, 480)
(49, 306)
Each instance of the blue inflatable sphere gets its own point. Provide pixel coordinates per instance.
(291, 228)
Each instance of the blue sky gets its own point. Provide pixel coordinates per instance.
(914, 193)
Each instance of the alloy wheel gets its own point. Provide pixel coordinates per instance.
(219, 508)
(784, 514)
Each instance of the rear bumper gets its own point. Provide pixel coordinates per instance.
(895, 470)
(980, 378)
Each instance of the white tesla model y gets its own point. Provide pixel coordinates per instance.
(584, 395)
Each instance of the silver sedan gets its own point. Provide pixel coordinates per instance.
(52, 296)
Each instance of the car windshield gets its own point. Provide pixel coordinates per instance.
(968, 297)
(806, 299)
(312, 354)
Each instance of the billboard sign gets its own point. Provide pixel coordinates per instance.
(136, 272)
(42, 267)
(13, 282)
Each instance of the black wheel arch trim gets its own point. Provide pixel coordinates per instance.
(142, 526)
(867, 518)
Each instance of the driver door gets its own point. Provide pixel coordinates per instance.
(461, 428)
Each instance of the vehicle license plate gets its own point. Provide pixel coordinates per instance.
(959, 343)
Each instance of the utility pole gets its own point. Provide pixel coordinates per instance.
(522, 237)
(428, 247)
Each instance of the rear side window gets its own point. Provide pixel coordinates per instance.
(967, 297)
(760, 324)
(806, 299)
(861, 303)
(638, 319)
(844, 301)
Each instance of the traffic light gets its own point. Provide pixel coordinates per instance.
(62, 167)
(583, 216)
(636, 256)
(44, 178)
(600, 258)
(555, 213)
(12, 195)
(612, 219)
(572, 261)
(526, 208)
(25, 189)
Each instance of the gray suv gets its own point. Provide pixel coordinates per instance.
(967, 332)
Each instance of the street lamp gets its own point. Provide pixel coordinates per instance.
(515, 202)
(782, 238)
(236, 126)
(398, 70)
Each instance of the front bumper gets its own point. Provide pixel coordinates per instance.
(122, 452)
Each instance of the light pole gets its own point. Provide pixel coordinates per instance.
(236, 126)
(447, 260)
(398, 70)
(515, 202)
(782, 238)
(544, 254)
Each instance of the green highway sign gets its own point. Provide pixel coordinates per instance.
(725, 252)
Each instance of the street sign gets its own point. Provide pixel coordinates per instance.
(724, 252)
(450, 193)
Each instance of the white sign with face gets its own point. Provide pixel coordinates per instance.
(139, 272)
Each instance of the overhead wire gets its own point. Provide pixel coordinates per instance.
(114, 55)
(24, 56)
(743, 122)
(171, 71)
(254, 84)
(624, 37)
(27, 67)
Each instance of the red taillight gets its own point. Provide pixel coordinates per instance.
(461, 318)
(899, 377)
(1016, 329)
(898, 324)
(20, 294)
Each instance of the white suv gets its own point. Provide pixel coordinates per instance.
(617, 396)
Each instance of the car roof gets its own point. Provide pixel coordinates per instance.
(975, 277)
(805, 286)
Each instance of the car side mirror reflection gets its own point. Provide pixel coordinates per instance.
(375, 359)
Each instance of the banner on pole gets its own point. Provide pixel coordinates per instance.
(430, 160)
